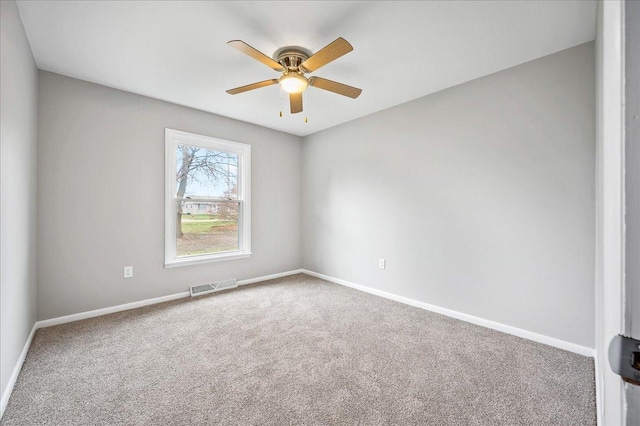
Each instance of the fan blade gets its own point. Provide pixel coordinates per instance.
(252, 86)
(255, 54)
(335, 87)
(295, 99)
(329, 53)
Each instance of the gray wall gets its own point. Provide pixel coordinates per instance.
(18, 101)
(480, 197)
(101, 197)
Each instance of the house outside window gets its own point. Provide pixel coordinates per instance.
(207, 199)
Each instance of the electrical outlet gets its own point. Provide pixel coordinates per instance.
(382, 263)
(128, 271)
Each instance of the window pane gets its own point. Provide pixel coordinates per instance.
(206, 173)
(206, 227)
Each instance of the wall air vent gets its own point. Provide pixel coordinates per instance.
(199, 290)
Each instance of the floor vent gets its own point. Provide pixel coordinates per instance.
(199, 290)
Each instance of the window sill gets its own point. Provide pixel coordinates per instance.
(195, 260)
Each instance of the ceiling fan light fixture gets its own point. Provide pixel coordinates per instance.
(294, 62)
(293, 83)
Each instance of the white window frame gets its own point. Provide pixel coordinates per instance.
(173, 138)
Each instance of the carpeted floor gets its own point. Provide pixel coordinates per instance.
(297, 350)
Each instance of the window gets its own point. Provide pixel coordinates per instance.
(207, 199)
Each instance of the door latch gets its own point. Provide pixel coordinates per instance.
(624, 358)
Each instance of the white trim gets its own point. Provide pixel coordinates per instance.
(596, 362)
(271, 277)
(218, 257)
(16, 370)
(609, 204)
(125, 307)
(110, 310)
(530, 335)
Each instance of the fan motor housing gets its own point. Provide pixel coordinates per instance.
(291, 57)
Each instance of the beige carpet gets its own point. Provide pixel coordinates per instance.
(297, 350)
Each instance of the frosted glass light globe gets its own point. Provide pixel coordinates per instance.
(293, 83)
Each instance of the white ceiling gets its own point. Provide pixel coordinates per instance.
(176, 51)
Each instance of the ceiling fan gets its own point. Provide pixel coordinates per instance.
(294, 63)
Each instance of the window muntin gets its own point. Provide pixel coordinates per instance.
(207, 199)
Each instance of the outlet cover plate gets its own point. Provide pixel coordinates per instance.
(128, 271)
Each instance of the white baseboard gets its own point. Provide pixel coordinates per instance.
(271, 277)
(110, 310)
(16, 371)
(599, 388)
(125, 307)
(530, 335)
